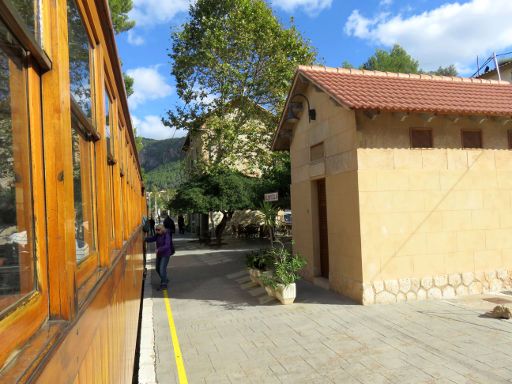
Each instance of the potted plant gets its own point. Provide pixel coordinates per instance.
(269, 284)
(257, 263)
(285, 273)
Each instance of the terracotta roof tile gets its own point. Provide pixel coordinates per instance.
(360, 89)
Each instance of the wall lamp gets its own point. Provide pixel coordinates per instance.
(295, 107)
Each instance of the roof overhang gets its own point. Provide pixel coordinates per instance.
(282, 137)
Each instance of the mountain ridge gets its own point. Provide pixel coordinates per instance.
(155, 153)
(160, 161)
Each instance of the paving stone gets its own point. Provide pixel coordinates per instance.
(229, 335)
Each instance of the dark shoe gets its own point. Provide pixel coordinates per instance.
(162, 287)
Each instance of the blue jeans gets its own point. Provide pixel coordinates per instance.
(161, 268)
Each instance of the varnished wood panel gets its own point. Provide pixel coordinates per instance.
(94, 303)
(101, 343)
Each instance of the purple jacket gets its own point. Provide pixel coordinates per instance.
(164, 245)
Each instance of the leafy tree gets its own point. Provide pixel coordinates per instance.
(128, 83)
(120, 20)
(119, 11)
(229, 143)
(277, 178)
(231, 60)
(445, 71)
(346, 64)
(396, 60)
(139, 144)
(224, 190)
(164, 176)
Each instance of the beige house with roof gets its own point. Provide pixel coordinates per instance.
(401, 184)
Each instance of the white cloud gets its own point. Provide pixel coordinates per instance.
(385, 3)
(134, 39)
(148, 12)
(151, 127)
(451, 34)
(148, 84)
(311, 7)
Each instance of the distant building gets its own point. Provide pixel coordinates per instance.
(505, 68)
(401, 184)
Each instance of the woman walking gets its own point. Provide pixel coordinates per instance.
(164, 251)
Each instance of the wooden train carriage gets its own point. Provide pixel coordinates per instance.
(71, 197)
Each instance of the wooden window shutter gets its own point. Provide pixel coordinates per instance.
(472, 139)
(316, 152)
(421, 138)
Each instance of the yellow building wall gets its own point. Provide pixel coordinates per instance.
(434, 222)
(335, 127)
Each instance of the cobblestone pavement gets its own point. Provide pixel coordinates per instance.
(230, 331)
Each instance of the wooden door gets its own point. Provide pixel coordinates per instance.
(323, 230)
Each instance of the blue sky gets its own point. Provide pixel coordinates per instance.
(435, 32)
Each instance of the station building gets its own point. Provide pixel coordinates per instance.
(401, 184)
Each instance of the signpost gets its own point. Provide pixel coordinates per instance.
(271, 196)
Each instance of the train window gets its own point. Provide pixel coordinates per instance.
(79, 61)
(121, 150)
(112, 195)
(29, 12)
(83, 179)
(17, 268)
(108, 124)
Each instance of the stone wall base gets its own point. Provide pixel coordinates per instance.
(433, 287)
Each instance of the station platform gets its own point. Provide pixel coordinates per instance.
(216, 326)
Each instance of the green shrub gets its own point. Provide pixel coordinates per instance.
(280, 260)
(268, 280)
(258, 260)
(286, 266)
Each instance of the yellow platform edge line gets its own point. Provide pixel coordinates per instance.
(182, 375)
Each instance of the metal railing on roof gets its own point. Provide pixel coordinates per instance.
(492, 60)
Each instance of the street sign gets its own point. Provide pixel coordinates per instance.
(271, 196)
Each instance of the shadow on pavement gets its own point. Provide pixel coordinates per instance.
(218, 275)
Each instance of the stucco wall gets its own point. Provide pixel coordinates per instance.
(429, 214)
(335, 127)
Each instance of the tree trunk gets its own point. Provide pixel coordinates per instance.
(219, 230)
(204, 231)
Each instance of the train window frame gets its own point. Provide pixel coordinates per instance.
(87, 265)
(22, 318)
(85, 127)
(108, 110)
(16, 25)
(91, 52)
(121, 200)
(113, 163)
